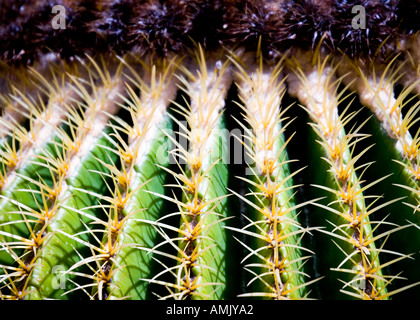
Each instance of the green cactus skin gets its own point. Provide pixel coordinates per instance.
(349, 211)
(60, 250)
(23, 183)
(50, 249)
(212, 251)
(399, 184)
(18, 191)
(136, 263)
(201, 243)
(187, 253)
(276, 257)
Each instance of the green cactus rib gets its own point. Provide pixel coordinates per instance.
(375, 86)
(21, 182)
(274, 232)
(393, 133)
(77, 208)
(25, 85)
(121, 260)
(50, 248)
(23, 191)
(399, 184)
(201, 242)
(348, 212)
(136, 262)
(59, 249)
(149, 178)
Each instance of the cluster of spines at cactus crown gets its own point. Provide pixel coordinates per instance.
(31, 30)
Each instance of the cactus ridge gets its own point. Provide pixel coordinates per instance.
(199, 244)
(275, 253)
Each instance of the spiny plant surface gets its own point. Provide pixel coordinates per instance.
(209, 150)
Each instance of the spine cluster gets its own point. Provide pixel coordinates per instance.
(274, 233)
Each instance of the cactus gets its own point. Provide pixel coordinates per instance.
(270, 153)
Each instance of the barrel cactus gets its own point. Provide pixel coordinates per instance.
(209, 150)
